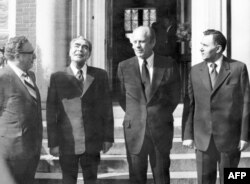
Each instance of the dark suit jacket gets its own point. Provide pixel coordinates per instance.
(222, 112)
(165, 93)
(20, 117)
(73, 114)
(166, 40)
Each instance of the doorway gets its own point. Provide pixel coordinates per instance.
(124, 16)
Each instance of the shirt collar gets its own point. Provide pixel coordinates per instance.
(75, 70)
(150, 60)
(16, 69)
(169, 27)
(218, 62)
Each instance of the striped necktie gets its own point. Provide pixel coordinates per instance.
(30, 86)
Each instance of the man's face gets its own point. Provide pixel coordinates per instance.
(26, 57)
(79, 51)
(141, 44)
(209, 49)
(166, 22)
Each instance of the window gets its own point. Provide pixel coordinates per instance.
(134, 17)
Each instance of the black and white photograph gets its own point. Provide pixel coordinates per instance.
(124, 91)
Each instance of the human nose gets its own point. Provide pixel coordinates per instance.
(79, 48)
(201, 49)
(137, 44)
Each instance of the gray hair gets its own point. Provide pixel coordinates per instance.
(149, 31)
(82, 38)
(14, 46)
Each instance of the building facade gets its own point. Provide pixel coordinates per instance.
(51, 24)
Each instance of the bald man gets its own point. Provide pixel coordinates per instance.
(149, 93)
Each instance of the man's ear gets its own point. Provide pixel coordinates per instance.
(219, 49)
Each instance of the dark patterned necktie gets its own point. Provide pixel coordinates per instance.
(80, 78)
(79, 75)
(145, 78)
(30, 86)
(213, 74)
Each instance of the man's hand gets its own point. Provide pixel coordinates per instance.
(106, 146)
(54, 151)
(188, 143)
(242, 145)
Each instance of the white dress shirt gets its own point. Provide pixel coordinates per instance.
(150, 65)
(20, 73)
(218, 62)
(75, 70)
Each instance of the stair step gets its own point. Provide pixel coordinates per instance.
(119, 178)
(119, 148)
(118, 163)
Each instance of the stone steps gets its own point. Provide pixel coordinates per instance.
(113, 168)
(118, 147)
(120, 178)
(118, 163)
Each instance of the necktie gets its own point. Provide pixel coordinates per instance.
(79, 75)
(145, 78)
(30, 86)
(213, 74)
(80, 78)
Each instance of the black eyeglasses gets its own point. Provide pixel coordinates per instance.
(31, 52)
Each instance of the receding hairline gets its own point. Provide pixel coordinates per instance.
(147, 31)
(83, 39)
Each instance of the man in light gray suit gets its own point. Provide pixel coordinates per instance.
(20, 112)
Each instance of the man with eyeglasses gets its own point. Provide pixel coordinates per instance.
(79, 115)
(20, 113)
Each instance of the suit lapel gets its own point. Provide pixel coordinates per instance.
(19, 84)
(223, 74)
(204, 73)
(72, 79)
(36, 88)
(33, 79)
(158, 72)
(135, 75)
(88, 81)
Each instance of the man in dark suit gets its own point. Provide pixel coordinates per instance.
(79, 115)
(149, 93)
(217, 121)
(20, 112)
(166, 39)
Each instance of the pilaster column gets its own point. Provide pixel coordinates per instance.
(240, 39)
(99, 33)
(206, 14)
(52, 48)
